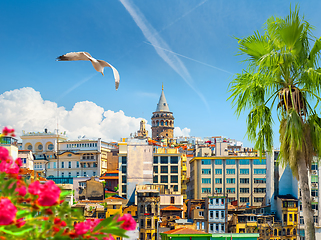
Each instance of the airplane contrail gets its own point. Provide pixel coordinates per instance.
(151, 35)
(190, 58)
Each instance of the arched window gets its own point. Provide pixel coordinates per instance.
(50, 147)
(288, 231)
(162, 123)
(166, 123)
(275, 232)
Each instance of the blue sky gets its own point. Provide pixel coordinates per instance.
(188, 46)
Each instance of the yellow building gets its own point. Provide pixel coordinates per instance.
(282, 226)
(184, 176)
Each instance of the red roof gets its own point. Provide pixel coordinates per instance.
(109, 178)
(171, 208)
(184, 231)
(114, 198)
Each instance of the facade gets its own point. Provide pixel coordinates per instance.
(167, 168)
(111, 179)
(11, 144)
(26, 157)
(242, 178)
(184, 176)
(135, 161)
(216, 214)
(148, 210)
(162, 120)
(62, 160)
(196, 212)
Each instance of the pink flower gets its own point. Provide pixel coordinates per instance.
(9, 166)
(22, 191)
(6, 131)
(8, 211)
(82, 228)
(49, 194)
(4, 153)
(129, 223)
(35, 188)
(20, 222)
(18, 162)
(109, 238)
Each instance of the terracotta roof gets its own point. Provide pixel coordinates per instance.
(184, 231)
(106, 191)
(24, 150)
(171, 208)
(114, 198)
(113, 171)
(109, 177)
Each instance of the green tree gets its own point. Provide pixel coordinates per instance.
(283, 75)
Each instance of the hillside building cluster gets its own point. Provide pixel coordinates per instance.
(201, 188)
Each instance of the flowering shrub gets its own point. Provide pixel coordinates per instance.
(37, 211)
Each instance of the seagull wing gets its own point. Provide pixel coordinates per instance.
(116, 74)
(74, 56)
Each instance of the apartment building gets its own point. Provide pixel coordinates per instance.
(141, 163)
(242, 178)
(62, 160)
(216, 214)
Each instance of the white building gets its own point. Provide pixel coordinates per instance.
(216, 214)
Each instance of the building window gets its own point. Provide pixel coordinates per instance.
(201, 214)
(94, 173)
(155, 179)
(230, 190)
(258, 199)
(218, 180)
(206, 190)
(164, 179)
(259, 190)
(124, 179)
(218, 161)
(244, 171)
(155, 169)
(244, 190)
(174, 160)
(218, 171)
(230, 180)
(77, 174)
(206, 180)
(69, 155)
(155, 159)
(244, 199)
(230, 171)
(124, 188)
(174, 179)
(123, 169)
(174, 169)
(218, 190)
(77, 164)
(206, 171)
(314, 166)
(69, 174)
(40, 147)
(230, 161)
(62, 174)
(259, 180)
(175, 188)
(164, 160)
(172, 200)
(69, 164)
(62, 165)
(244, 161)
(48, 165)
(85, 174)
(314, 192)
(164, 169)
(260, 171)
(206, 162)
(244, 180)
(54, 165)
(124, 160)
(259, 162)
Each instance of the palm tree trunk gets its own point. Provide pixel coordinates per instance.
(306, 200)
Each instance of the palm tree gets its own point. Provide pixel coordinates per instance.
(283, 75)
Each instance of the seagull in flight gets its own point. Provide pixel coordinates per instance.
(98, 64)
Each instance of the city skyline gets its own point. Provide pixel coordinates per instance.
(189, 47)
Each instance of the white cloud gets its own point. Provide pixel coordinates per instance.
(24, 109)
(178, 132)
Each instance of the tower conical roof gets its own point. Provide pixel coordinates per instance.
(162, 105)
